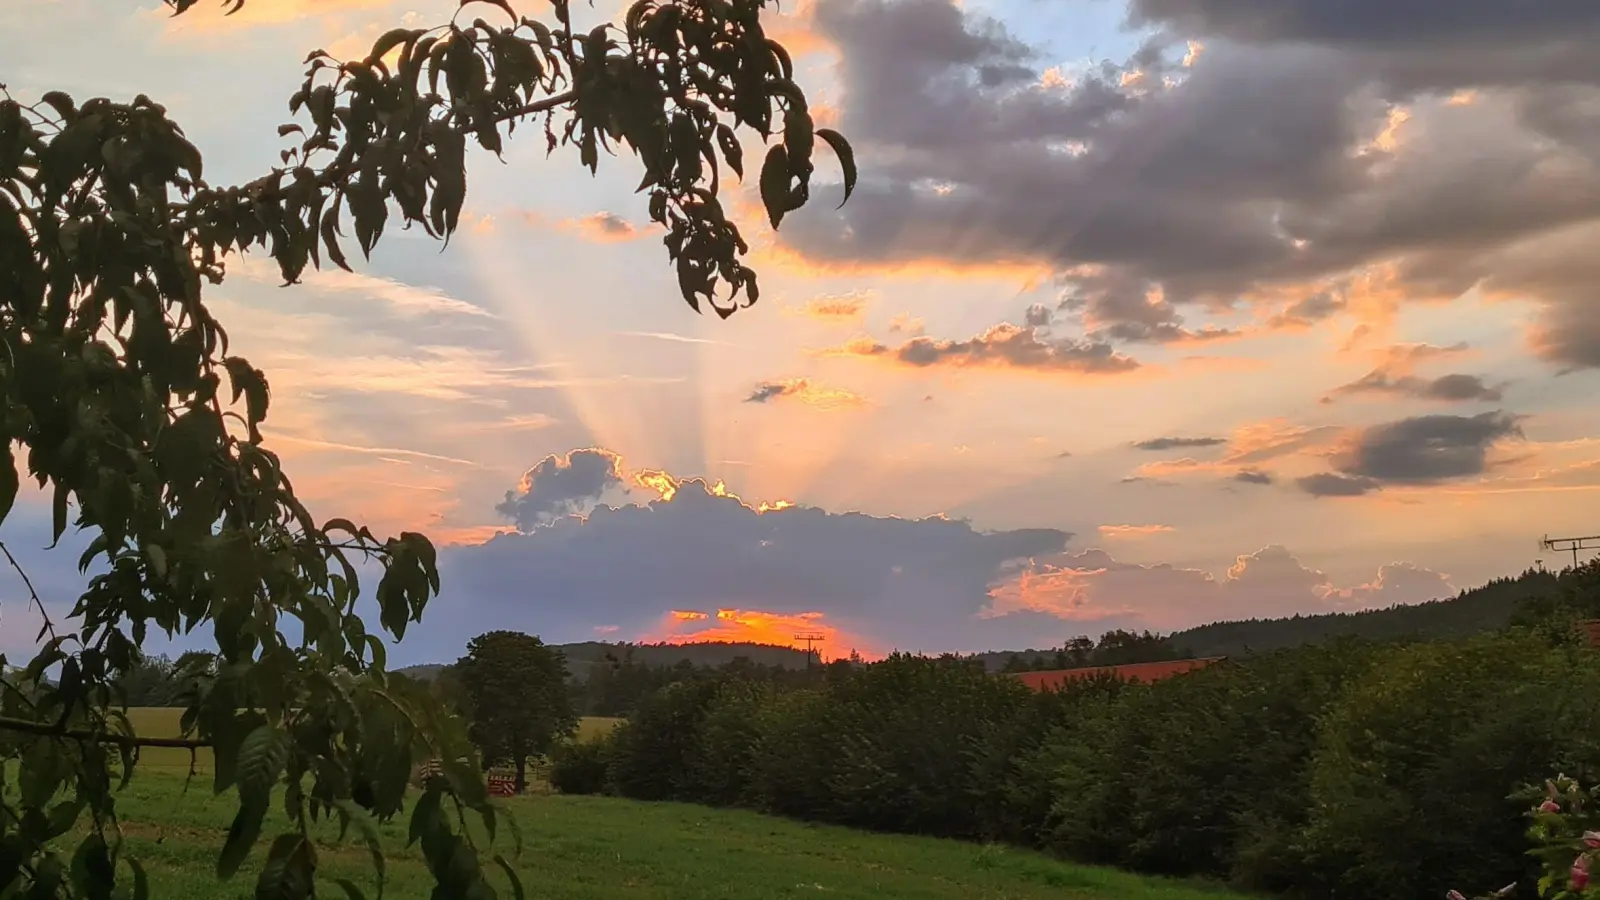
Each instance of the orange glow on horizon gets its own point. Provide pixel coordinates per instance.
(732, 625)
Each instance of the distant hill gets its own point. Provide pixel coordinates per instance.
(1486, 608)
(582, 656)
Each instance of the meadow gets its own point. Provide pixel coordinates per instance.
(601, 847)
(160, 721)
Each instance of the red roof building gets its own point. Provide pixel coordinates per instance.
(1590, 629)
(1143, 672)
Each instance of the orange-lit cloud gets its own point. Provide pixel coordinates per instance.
(666, 486)
(1003, 346)
(835, 308)
(600, 228)
(806, 391)
(1245, 451)
(1094, 585)
(905, 323)
(760, 627)
(1132, 532)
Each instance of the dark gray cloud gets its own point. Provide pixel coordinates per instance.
(1454, 388)
(1038, 315)
(1253, 172)
(1309, 310)
(900, 582)
(560, 486)
(1328, 484)
(769, 390)
(1426, 449)
(1415, 451)
(1176, 443)
(1378, 24)
(1003, 346)
(1252, 476)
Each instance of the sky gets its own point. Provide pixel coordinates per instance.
(1144, 314)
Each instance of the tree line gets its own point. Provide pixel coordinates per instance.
(1354, 767)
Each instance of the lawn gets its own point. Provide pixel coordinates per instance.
(604, 848)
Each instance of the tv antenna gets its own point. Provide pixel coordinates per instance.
(1572, 544)
(811, 638)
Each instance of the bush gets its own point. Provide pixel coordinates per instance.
(718, 768)
(651, 750)
(1415, 764)
(579, 767)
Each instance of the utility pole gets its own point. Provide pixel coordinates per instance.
(811, 638)
(1573, 544)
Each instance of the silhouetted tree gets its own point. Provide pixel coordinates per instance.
(515, 692)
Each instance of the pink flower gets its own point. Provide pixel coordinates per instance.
(1550, 806)
(1578, 877)
(1591, 839)
(1455, 895)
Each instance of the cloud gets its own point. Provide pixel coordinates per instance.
(755, 626)
(600, 227)
(890, 582)
(1095, 586)
(1309, 310)
(604, 227)
(1311, 144)
(1132, 532)
(561, 486)
(669, 336)
(904, 323)
(1003, 346)
(1394, 375)
(1429, 448)
(1416, 451)
(1173, 443)
(1328, 484)
(836, 307)
(1253, 476)
(806, 391)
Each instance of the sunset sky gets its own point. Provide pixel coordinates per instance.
(1144, 314)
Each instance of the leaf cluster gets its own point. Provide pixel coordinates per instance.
(121, 399)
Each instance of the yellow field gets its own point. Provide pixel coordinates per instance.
(155, 721)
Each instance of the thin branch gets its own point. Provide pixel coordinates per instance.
(28, 582)
(46, 729)
(539, 106)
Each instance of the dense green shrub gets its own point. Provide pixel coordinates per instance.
(650, 751)
(580, 767)
(901, 733)
(791, 754)
(1013, 771)
(1416, 762)
(718, 770)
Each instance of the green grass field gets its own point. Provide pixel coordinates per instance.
(595, 847)
(603, 848)
(161, 722)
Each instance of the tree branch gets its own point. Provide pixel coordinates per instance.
(539, 106)
(45, 729)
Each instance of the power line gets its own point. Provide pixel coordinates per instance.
(811, 638)
(1573, 544)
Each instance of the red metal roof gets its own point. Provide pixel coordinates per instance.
(1590, 629)
(1145, 672)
